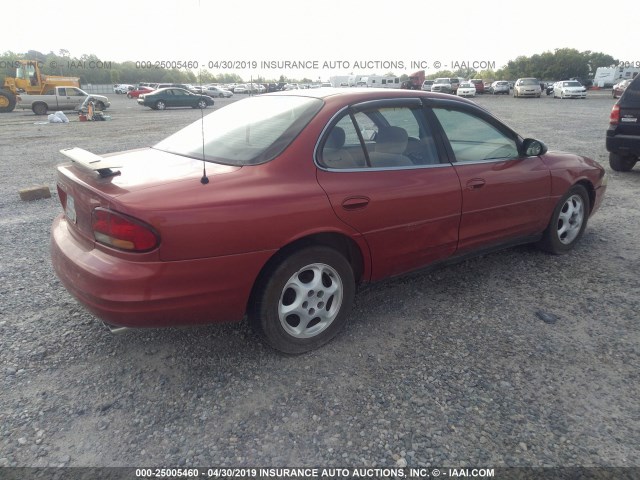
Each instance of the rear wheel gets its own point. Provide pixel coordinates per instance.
(304, 301)
(7, 101)
(621, 163)
(568, 222)
(39, 108)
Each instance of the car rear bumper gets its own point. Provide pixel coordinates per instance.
(623, 144)
(126, 293)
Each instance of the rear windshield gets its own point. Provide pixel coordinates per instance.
(246, 132)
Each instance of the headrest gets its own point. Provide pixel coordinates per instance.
(336, 138)
(392, 140)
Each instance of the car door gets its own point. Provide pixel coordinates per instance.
(503, 193)
(174, 98)
(381, 170)
(70, 98)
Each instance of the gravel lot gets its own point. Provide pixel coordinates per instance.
(454, 367)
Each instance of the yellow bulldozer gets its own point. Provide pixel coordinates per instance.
(30, 80)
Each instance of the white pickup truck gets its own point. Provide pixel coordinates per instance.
(59, 98)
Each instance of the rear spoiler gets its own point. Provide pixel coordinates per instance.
(91, 161)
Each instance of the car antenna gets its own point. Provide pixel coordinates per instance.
(204, 180)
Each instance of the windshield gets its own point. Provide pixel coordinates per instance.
(529, 81)
(246, 132)
(442, 80)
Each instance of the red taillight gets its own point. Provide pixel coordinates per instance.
(614, 118)
(122, 232)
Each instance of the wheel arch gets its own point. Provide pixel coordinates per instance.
(340, 242)
(35, 106)
(591, 191)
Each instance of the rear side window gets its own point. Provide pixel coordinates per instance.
(631, 95)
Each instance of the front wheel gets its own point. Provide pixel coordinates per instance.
(621, 163)
(304, 301)
(160, 105)
(7, 101)
(568, 222)
(202, 104)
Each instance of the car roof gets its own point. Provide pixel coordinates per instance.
(356, 94)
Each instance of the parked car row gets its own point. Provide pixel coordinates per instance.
(470, 88)
(522, 87)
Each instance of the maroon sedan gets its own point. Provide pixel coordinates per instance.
(277, 206)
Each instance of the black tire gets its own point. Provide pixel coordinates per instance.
(325, 288)
(129, 95)
(39, 108)
(99, 106)
(160, 105)
(568, 222)
(202, 104)
(7, 101)
(621, 163)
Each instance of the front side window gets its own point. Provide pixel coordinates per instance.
(384, 137)
(473, 139)
(74, 92)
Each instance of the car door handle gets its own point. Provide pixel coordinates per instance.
(355, 203)
(475, 183)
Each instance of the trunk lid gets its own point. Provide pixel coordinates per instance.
(91, 181)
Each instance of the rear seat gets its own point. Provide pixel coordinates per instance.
(333, 153)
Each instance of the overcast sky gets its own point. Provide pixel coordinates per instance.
(370, 32)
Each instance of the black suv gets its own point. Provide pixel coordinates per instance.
(623, 135)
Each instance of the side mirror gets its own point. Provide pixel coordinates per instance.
(533, 148)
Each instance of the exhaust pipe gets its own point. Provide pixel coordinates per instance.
(114, 329)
